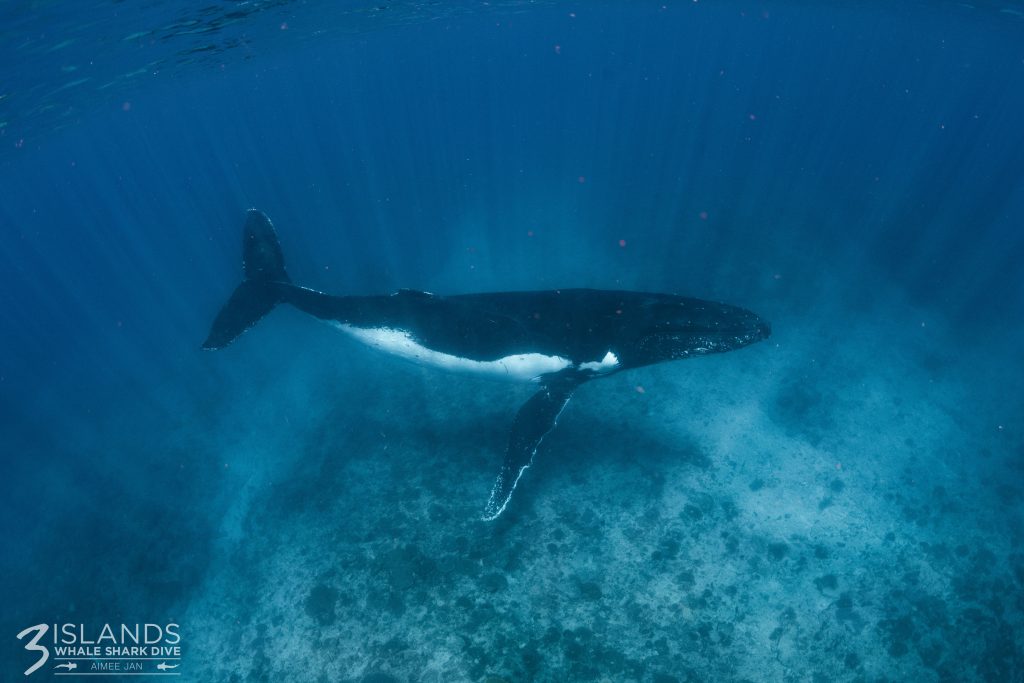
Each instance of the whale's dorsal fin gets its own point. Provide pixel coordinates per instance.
(533, 422)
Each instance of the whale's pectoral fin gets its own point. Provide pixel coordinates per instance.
(534, 420)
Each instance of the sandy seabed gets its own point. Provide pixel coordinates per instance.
(830, 505)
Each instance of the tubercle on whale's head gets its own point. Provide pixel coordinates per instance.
(690, 327)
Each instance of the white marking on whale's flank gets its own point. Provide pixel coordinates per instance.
(520, 367)
(606, 364)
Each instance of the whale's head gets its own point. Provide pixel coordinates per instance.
(680, 327)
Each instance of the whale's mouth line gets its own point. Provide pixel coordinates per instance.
(760, 329)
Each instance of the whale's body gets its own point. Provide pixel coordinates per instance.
(557, 339)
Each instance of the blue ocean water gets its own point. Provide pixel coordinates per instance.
(841, 502)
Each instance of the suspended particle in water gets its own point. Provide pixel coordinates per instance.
(703, 215)
(622, 243)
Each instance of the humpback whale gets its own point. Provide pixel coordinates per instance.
(555, 339)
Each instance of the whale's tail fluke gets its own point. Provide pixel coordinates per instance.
(261, 289)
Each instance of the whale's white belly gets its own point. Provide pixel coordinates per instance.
(520, 367)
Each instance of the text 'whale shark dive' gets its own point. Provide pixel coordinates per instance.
(555, 339)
